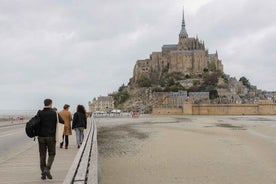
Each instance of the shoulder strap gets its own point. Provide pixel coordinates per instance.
(57, 118)
(38, 113)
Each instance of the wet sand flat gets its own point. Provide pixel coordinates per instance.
(188, 149)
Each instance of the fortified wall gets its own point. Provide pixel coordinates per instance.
(219, 109)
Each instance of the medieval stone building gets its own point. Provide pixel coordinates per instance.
(189, 57)
(102, 104)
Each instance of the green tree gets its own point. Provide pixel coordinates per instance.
(121, 88)
(210, 79)
(213, 94)
(196, 82)
(245, 81)
(144, 82)
(120, 98)
(212, 67)
(188, 76)
(176, 87)
(157, 89)
(130, 81)
(169, 79)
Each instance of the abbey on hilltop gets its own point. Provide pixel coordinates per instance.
(189, 57)
(180, 78)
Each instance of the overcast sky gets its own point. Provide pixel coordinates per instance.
(72, 50)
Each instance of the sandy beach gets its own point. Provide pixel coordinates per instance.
(188, 149)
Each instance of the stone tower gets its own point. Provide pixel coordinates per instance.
(183, 35)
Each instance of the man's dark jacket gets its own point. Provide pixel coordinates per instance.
(48, 122)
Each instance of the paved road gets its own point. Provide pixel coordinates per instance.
(13, 141)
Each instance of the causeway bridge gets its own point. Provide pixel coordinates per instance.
(19, 157)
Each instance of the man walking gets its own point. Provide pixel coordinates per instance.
(46, 137)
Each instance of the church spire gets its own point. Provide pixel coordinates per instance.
(183, 31)
(183, 20)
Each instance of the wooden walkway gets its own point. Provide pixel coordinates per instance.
(24, 168)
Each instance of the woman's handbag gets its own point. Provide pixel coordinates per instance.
(59, 131)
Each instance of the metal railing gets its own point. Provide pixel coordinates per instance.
(84, 169)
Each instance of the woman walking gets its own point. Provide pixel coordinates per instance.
(67, 117)
(79, 123)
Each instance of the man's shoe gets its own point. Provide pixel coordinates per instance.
(66, 147)
(43, 176)
(48, 174)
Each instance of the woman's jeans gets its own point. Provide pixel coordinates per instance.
(79, 135)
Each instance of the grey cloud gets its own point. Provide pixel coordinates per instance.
(73, 51)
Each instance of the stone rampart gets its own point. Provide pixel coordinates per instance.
(167, 111)
(219, 109)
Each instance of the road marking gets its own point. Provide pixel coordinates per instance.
(9, 126)
(9, 134)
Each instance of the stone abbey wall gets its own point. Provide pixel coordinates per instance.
(219, 109)
(167, 111)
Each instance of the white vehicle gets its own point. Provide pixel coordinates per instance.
(116, 111)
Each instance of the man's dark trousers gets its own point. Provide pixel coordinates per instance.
(46, 143)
